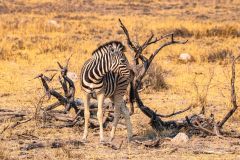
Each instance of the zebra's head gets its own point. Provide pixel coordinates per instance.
(120, 63)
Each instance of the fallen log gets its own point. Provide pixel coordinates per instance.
(51, 144)
(149, 143)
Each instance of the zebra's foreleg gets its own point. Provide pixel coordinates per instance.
(117, 114)
(86, 99)
(125, 112)
(100, 98)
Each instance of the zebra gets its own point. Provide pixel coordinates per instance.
(108, 75)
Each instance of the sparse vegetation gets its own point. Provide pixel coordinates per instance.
(155, 79)
(225, 31)
(218, 56)
(35, 34)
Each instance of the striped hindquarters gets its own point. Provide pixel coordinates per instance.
(89, 81)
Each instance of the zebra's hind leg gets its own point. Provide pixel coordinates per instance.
(117, 114)
(125, 112)
(100, 98)
(86, 100)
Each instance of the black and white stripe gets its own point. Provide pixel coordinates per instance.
(107, 70)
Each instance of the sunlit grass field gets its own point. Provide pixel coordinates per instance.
(35, 34)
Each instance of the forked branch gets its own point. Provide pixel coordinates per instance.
(147, 62)
(138, 49)
(130, 44)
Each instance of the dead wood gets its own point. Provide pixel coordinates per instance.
(33, 145)
(76, 122)
(6, 110)
(4, 129)
(6, 114)
(174, 113)
(59, 117)
(13, 114)
(233, 94)
(20, 122)
(216, 152)
(149, 143)
(53, 106)
(52, 144)
(17, 117)
(199, 126)
(156, 122)
(113, 146)
(68, 99)
(51, 118)
(27, 136)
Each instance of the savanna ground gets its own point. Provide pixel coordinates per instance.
(34, 35)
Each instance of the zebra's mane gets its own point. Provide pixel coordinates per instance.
(109, 43)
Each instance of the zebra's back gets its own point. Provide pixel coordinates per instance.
(111, 83)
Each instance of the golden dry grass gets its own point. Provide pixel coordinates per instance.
(35, 34)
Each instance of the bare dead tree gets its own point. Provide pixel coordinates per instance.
(233, 93)
(156, 122)
(193, 123)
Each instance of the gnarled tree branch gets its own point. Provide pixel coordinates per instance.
(156, 122)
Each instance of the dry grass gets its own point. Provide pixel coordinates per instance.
(35, 34)
(154, 79)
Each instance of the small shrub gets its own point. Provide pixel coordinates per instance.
(154, 79)
(219, 55)
(5, 52)
(182, 32)
(223, 31)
